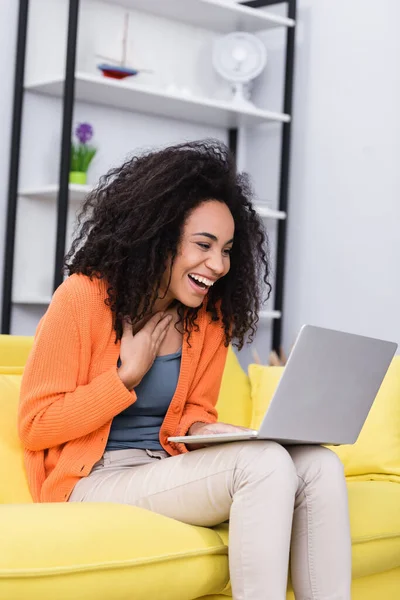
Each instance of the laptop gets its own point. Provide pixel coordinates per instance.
(325, 393)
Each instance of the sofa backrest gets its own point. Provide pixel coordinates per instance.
(14, 350)
(242, 401)
(234, 406)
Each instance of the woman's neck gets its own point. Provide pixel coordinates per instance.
(163, 304)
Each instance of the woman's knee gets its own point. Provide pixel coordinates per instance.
(329, 462)
(261, 459)
(332, 468)
(317, 461)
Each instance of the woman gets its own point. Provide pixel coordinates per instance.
(165, 272)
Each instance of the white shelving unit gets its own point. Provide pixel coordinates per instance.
(40, 201)
(77, 194)
(145, 99)
(217, 15)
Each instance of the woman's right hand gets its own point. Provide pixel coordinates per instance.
(138, 351)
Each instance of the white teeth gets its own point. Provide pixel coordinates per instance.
(204, 280)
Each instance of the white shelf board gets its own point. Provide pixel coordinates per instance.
(218, 15)
(44, 300)
(268, 213)
(31, 299)
(77, 193)
(129, 95)
(270, 314)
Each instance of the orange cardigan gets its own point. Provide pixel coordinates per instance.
(71, 391)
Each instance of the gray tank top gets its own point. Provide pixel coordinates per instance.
(138, 426)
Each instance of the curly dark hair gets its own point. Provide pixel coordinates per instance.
(132, 222)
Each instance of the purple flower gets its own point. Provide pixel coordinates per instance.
(84, 132)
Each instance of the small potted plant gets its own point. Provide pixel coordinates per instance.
(82, 153)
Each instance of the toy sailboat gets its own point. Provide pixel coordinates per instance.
(118, 69)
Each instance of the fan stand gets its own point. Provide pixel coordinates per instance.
(240, 94)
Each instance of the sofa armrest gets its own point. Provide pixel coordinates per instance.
(14, 350)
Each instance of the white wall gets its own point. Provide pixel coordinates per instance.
(343, 251)
(344, 229)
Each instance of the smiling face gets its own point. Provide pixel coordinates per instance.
(203, 255)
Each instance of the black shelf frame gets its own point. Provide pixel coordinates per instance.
(13, 172)
(67, 116)
(284, 179)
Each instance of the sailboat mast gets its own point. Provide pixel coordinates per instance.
(125, 41)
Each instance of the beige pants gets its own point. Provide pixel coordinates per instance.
(277, 500)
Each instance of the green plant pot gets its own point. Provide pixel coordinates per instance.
(77, 177)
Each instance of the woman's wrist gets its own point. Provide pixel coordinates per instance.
(126, 378)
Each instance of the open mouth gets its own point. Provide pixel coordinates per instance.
(200, 286)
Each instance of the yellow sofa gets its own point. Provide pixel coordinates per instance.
(108, 551)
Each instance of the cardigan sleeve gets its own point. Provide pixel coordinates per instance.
(201, 402)
(53, 409)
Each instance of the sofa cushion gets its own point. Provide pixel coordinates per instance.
(234, 401)
(13, 482)
(92, 551)
(375, 526)
(376, 454)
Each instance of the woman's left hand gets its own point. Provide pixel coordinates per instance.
(212, 429)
